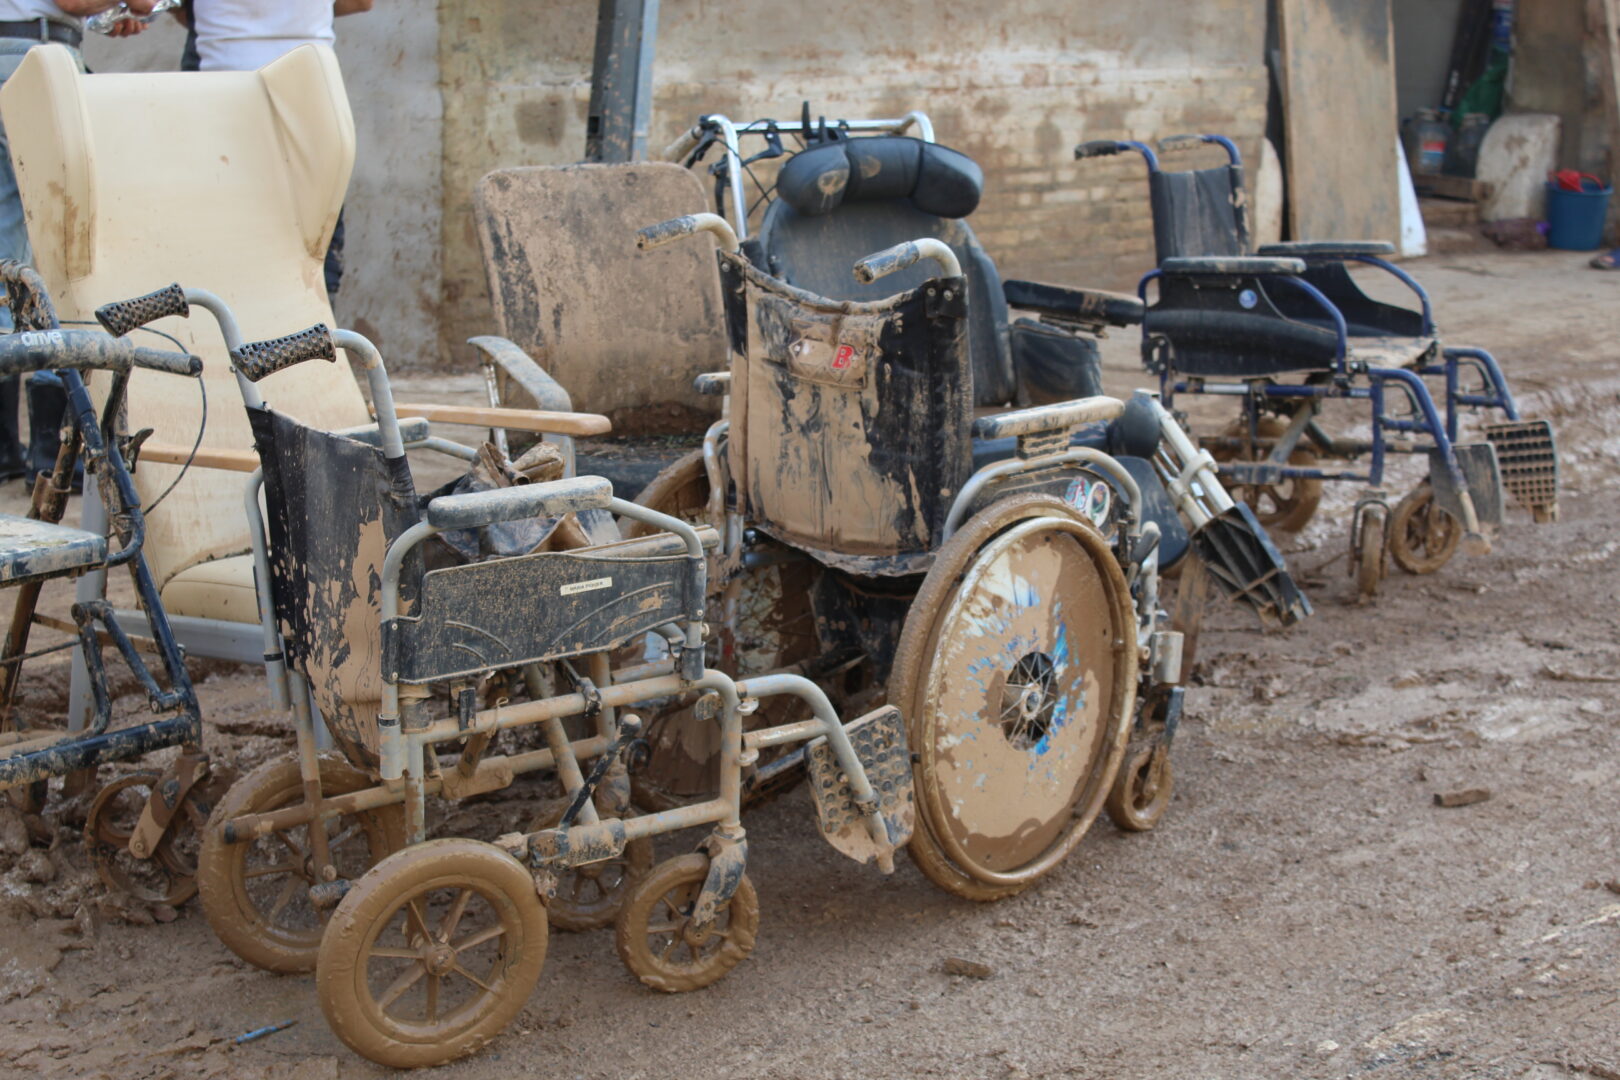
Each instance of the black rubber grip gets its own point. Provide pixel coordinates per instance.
(1097, 148)
(121, 316)
(1171, 144)
(257, 359)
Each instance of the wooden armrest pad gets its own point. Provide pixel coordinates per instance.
(244, 461)
(554, 423)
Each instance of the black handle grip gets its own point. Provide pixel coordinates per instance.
(1171, 144)
(1097, 148)
(257, 359)
(121, 316)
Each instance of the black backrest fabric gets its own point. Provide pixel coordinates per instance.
(334, 506)
(818, 253)
(1054, 365)
(1199, 213)
(936, 179)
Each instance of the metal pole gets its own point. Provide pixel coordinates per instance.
(621, 81)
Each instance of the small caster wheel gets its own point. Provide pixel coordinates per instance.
(255, 894)
(169, 876)
(1141, 791)
(431, 953)
(589, 897)
(1370, 557)
(1422, 537)
(655, 936)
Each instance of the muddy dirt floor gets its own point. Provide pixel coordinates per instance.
(1305, 910)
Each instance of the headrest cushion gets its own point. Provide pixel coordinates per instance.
(937, 179)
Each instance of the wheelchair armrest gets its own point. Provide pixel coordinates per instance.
(1063, 416)
(713, 383)
(539, 421)
(1230, 266)
(1330, 248)
(412, 429)
(1078, 305)
(553, 499)
(244, 461)
(546, 392)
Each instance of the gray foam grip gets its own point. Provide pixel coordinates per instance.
(121, 316)
(258, 359)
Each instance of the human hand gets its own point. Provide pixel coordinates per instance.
(139, 7)
(124, 28)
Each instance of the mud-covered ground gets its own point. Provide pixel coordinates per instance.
(1306, 909)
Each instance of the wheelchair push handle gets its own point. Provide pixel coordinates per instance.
(86, 350)
(1175, 144)
(897, 258)
(666, 232)
(1099, 148)
(258, 359)
(121, 316)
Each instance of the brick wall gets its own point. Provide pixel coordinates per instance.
(1015, 85)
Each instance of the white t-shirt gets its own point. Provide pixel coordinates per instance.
(245, 35)
(29, 10)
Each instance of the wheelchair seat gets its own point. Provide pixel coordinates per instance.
(34, 550)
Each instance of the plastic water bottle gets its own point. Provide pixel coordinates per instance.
(104, 21)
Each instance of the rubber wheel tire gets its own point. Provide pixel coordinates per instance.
(908, 685)
(1370, 567)
(226, 901)
(377, 904)
(169, 875)
(1288, 515)
(1422, 536)
(683, 877)
(1138, 800)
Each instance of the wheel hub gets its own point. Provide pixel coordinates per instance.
(438, 958)
(1028, 701)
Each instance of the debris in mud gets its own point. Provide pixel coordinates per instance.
(1464, 797)
(1565, 675)
(967, 969)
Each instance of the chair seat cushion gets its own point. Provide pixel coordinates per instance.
(221, 589)
(33, 550)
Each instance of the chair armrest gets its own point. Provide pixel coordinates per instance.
(1078, 305)
(1230, 266)
(553, 499)
(412, 430)
(1330, 248)
(1040, 419)
(546, 392)
(543, 422)
(244, 461)
(713, 383)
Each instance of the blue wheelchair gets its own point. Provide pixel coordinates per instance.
(1284, 330)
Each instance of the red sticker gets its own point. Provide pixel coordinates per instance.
(842, 358)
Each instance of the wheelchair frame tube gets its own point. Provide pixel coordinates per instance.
(1073, 455)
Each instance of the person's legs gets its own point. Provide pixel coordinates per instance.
(334, 259)
(13, 245)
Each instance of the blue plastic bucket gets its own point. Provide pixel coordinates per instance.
(1575, 218)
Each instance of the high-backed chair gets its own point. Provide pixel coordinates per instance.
(230, 181)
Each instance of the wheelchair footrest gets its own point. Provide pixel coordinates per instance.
(1478, 464)
(1527, 456)
(1249, 568)
(879, 740)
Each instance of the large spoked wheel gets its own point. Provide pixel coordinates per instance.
(1016, 672)
(432, 953)
(169, 876)
(1422, 537)
(775, 629)
(255, 894)
(1287, 505)
(657, 941)
(589, 897)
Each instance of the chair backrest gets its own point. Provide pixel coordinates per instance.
(227, 181)
(812, 241)
(333, 506)
(850, 422)
(625, 331)
(1199, 212)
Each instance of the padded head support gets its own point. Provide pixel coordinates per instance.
(938, 180)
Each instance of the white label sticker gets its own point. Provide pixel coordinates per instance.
(586, 586)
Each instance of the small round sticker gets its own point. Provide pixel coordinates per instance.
(1248, 298)
(1093, 498)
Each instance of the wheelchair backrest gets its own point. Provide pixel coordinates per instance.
(843, 200)
(334, 505)
(1200, 212)
(624, 332)
(229, 181)
(850, 421)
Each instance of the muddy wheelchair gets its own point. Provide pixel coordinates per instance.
(1287, 329)
(431, 947)
(141, 829)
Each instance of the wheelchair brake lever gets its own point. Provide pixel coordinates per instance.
(629, 731)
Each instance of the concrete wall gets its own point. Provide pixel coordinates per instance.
(390, 62)
(1014, 85)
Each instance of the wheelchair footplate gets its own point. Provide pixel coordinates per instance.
(879, 740)
(1527, 456)
(1479, 467)
(1248, 568)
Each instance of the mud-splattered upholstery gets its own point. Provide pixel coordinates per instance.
(228, 181)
